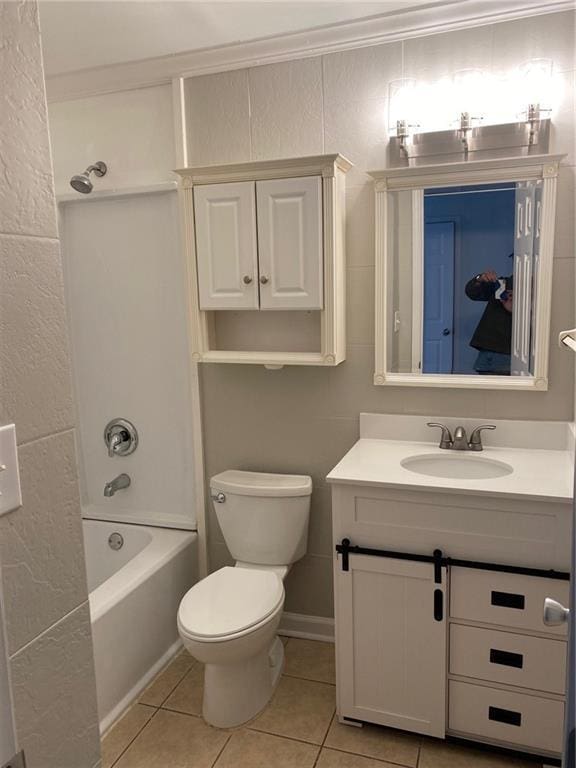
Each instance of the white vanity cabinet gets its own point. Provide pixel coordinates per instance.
(451, 644)
(264, 244)
(391, 644)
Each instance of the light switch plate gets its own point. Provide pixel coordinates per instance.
(10, 494)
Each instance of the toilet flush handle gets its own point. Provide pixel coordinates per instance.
(219, 498)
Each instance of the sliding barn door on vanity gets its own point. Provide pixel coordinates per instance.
(226, 245)
(290, 243)
(391, 644)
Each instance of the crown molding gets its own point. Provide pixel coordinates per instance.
(434, 18)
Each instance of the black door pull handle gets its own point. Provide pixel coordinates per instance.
(506, 658)
(508, 600)
(507, 716)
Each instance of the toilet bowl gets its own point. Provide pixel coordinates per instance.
(228, 621)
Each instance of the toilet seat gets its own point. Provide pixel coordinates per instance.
(229, 603)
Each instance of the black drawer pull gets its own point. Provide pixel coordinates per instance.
(506, 658)
(504, 716)
(508, 600)
(438, 605)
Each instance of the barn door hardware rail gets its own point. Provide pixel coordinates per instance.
(439, 560)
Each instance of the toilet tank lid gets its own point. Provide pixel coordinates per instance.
(261, 483)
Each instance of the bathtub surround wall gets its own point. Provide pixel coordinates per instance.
(132, 131)
(126, 299)
(304, 419)
(41, 553)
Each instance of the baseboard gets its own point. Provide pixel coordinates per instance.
(110, 719)
(307, 627)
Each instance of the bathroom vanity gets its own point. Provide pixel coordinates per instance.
(442, 562)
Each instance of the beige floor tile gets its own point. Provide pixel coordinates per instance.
(330, 758)
(375, 741)
(439, 754)
(163, 685)
(125, 730)
(187, 696)
(310, 660)
(172, 740)
(300, 709)
(250, 749)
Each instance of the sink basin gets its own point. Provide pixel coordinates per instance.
(456, 465)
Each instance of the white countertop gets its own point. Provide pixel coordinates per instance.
(538, 474)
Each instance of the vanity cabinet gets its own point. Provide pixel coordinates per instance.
(391, 644)
(448, 638)
(264, 245)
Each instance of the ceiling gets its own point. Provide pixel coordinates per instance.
(83, 34)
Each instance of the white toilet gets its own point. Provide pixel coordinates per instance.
(229, 620)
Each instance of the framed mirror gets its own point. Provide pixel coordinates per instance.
(464, 257)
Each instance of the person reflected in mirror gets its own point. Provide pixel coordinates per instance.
(493, 335)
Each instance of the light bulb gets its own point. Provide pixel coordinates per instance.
(469, 93)
(536, 84)
(402, 106)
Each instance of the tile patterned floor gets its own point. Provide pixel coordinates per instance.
(298, 729)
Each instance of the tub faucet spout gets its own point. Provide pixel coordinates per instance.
(120, 482)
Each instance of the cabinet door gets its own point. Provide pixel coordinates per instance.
(390, 646)
(225, 218)
(290, 247)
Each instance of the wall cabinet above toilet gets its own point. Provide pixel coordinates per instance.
(259, 244)
(265, 252)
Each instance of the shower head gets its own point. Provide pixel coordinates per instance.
(82, 182)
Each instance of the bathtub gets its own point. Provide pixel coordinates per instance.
(134, 596)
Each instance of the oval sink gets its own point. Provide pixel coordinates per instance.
(457, 466)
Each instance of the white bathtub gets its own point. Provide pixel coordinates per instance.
(134, 596)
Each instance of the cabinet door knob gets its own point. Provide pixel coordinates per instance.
(247, 279)
(555, 613)
(263, 279)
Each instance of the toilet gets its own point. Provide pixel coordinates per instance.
(228, 621)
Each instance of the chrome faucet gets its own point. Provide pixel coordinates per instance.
(460, 441)
(118, 484)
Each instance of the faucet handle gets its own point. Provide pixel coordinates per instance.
(445, 437)
(475, 443)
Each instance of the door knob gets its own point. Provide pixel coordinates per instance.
(263, 279)
(446, 332)
(555, 613)
(247, 279)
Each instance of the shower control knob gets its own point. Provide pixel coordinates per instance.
(247, 279)
(263, 279)
(121, 437)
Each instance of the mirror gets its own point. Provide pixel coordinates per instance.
(464, 267)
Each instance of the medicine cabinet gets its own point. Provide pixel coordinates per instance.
(265, 252)
(464, 255)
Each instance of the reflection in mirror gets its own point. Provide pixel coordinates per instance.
(461, 279)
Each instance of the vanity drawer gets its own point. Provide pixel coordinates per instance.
(503, 657)
(515, 718)
(507, 599)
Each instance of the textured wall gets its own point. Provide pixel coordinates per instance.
(303, 420)
(41, 551)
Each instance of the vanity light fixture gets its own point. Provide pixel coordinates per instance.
(471, 114)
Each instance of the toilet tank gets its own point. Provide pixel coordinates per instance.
(263, 517)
